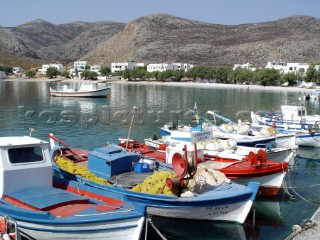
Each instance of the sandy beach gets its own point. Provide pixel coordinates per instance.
(184, 84)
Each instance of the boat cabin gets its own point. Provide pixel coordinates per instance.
(85, 87)
(24, 162)
(293, 112)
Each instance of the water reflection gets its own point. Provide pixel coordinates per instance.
(309, 152)
(188, 229)
(82, 105)
(266, 212)
(90, 123)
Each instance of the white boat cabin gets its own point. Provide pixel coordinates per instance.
(293, 112)
(86, 87)
(24, 162)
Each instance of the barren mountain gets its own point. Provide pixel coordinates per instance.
(163, 38)
(42, 42)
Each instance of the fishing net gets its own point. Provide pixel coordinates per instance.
(77, 169)
(156, 184)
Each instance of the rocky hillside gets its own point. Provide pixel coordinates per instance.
(42, 42)
(164, 38)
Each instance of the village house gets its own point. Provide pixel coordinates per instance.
(284, 67)
(118, 67)
(45, 67)
(161, 67)
(244, 66)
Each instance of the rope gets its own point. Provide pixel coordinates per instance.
(299, 228)
(295, 192)
(156, 229)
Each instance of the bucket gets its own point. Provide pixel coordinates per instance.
(150, 161)
(141, 167)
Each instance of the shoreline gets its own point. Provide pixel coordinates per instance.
(177, 84)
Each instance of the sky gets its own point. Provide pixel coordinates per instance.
(227, 12)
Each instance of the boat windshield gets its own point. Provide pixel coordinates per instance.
(25, 154)
(301, 113)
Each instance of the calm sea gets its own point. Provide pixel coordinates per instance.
(90, 123)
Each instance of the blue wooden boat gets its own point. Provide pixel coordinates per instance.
(226, 202)
(47, 207)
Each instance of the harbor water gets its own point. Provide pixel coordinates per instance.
(137, 111)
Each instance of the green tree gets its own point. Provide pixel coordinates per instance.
(65, 74)
(126, 74)
(223, 74)
(178, 74)
(30, 74)
(311, 74)
(291, 78)
(268, 77)
(6, 69)
(241, 75)
(52, 72)
(85, 74)
(105, 71)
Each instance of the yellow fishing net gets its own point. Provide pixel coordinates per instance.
(156, 184)
(77, 169)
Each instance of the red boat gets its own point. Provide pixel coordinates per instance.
(253, 168)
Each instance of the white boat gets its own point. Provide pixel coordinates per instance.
(91, 89)
(306, 131)
(291, 117)
(229, 149)
(48, 207)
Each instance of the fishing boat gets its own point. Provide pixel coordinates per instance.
(125, 171)
(242, 134)
(48, 207)
(306, 134)
(91, 89)
(241, 169)
(290, 118)
(182, 132)
(230, 150)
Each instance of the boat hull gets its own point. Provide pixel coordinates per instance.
(109, 231)
(308, 140)
(235, 212)
(227, 202)
(97, 93)
(269, 184)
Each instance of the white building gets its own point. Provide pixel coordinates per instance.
(244, 66)
(118, 67)
(95, 68)
(182, 66)
(17, 70)
(45, 67)
(161, 67)
(288, 67)
(80, 65)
